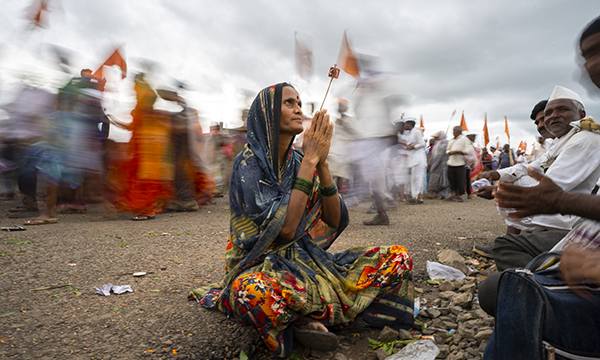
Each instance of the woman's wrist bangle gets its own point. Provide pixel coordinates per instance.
(303, 185)
(328, 191)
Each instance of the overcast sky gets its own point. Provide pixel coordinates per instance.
(477, 56)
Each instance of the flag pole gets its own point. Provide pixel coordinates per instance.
(449, 122)
(334, 72)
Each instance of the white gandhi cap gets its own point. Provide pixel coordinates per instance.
(564, 93)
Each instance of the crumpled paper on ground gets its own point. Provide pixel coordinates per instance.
(117, 289)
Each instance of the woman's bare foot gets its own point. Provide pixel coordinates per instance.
(313, 325)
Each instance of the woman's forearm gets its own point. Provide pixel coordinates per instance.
(298, 200)
(332, 211)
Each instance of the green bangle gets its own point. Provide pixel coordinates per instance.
(303, 185)
(328, 191)
(304, 182)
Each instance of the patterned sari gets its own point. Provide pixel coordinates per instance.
(272, 282)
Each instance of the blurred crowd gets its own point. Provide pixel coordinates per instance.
(58, 145)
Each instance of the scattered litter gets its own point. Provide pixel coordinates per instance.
(439, 271)
(452, 331)
(421, 350)
(120, 289)
(165, 234)
(72, 264)
(13, 228)
(141, 273)
(117, 289)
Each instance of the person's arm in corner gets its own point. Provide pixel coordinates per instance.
(579, 264)
(546, 198)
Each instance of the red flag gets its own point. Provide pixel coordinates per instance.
(486, 135)
(463, 124)
(506, 128)
(346, 59)
(304, 59)
(421, 123)
(114, 59)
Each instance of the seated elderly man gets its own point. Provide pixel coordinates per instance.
(568, 164)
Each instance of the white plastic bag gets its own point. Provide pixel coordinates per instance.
(439, 271)
(420, 350)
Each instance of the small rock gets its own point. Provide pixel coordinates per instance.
(404, 334)
(433, 313)
(458, 283)
(456, 310)
(439, 323)
(447, 294)
(428, 332)
(466, 316)
(472, 351)
(456, 338)
(482, 346)
(444, 310)
(444, 351)
(460, 265)
(468, 288)
(446, 285)
(388, 334)
(463, 300)
(340, 356)
(163, 268)
(446, 256)
(484, 334)
(381, 354)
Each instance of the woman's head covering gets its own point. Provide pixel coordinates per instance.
(263, 127)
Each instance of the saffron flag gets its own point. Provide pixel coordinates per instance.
(486, 135)
(421, 123)
(497, 142)
(523, 146)
(114, 59)
(37, 13)
(304, 59)
(506, 128)
(346, 59)
(463, 124)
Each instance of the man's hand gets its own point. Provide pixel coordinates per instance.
(487, 192)
(541, 199)
(579, 264)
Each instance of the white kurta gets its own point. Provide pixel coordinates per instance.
(576, 169)
(417, 161)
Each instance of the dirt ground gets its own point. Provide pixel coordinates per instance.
(178, 251)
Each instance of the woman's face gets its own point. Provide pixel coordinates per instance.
(291, 112)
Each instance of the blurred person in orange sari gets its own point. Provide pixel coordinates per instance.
(149, 174)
